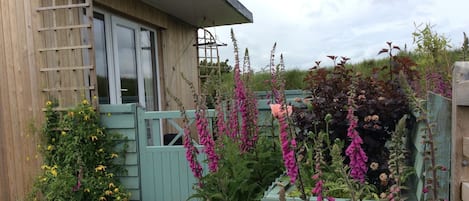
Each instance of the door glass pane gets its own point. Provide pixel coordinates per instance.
(147, 40)
(101, 59)
(127, 64)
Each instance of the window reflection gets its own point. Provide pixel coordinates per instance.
(118, 69)
(147, 39)
(127, 64)
(101, 59)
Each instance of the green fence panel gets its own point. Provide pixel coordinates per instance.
(439, 115)
(122, 119)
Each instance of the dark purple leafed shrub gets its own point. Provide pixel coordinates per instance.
(379, 103)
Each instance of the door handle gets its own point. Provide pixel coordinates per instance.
(124, 90)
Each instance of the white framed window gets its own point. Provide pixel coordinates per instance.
(126, 61)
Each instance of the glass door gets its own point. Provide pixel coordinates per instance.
(125, 45)
(126, 56)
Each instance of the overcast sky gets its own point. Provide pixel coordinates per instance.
(308, 30)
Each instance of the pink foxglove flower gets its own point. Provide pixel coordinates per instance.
(317, 190)
(354, 151)
(206, 140)
(288, 150)
(191, 153)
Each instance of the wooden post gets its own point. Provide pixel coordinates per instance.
(460, 133)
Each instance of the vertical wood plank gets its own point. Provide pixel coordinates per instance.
(166, 176)
(17, 142)
(184, 174)
(11, 99)
(176, 177)
(32, 22)
(159, 191)
(4, 124)
(24, 95)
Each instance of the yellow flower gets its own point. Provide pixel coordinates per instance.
(87, 190)
(116, 190)
(64, 133)
(102, 199)
(53, 172)
(71, 113)
(86, 118)
(85, 102)
(43, 179)
(53, 139)
(50, 148)
(101, 150)
(100, 168)
(95, 97)
(94, 138)
(108, 192)
(114, 155)
(111, 185)
(44, 167)
(110, 175)
(49, 103)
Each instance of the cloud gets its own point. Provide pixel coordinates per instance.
(308, 30)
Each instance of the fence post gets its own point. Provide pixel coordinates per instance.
(460, 132)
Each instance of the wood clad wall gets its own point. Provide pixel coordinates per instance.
(24, 87)
(176, 49)
(20, 99)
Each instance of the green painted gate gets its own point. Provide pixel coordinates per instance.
(156, 172)
(165, 173)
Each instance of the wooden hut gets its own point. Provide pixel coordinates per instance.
(121, 51)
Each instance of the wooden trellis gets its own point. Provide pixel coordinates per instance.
(208, 56)
(66, 60)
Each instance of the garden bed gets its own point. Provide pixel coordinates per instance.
(439, 109)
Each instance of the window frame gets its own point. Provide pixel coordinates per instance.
(111, 21)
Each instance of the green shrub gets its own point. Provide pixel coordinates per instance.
(81, 159)
(241, 176)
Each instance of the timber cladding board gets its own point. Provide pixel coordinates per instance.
(18, 99)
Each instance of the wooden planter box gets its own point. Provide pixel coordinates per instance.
(272, 194)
